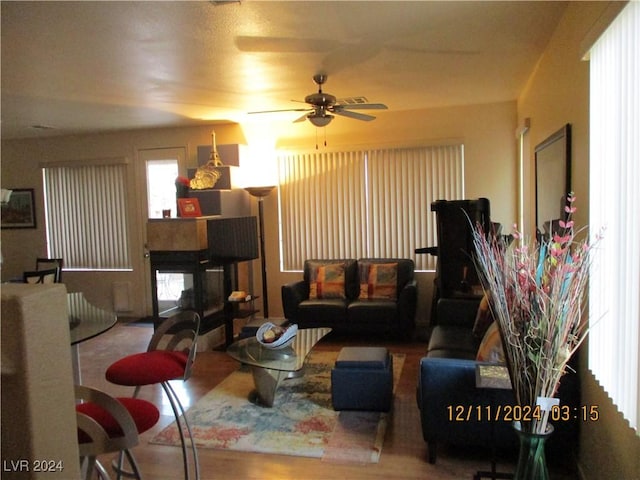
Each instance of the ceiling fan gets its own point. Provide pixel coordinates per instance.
(324, 106)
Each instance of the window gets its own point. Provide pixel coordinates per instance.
(367, 203)
(614, 290)
(161, 173)
(86, 215)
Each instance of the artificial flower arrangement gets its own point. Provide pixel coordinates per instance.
(537, 294)
(182, 187)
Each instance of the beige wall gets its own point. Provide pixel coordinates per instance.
(558, 93)
(486, 130)
(21, 160)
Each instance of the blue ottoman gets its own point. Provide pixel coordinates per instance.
(362, 379)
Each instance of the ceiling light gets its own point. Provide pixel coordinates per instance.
(320, 120)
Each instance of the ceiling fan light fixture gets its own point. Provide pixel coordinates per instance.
(321, 120)
(322, 107)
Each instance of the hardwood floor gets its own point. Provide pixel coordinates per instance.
(403, 455)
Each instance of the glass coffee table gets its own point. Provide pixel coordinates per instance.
(270, 366)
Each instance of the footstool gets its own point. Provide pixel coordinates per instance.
(362, 379)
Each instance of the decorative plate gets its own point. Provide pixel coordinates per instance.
(285, 339)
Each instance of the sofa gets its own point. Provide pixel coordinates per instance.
(365, 295)
(452, 409)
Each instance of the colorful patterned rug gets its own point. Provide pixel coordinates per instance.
(302, 421)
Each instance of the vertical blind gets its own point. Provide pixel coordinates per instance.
(322, 206)
(614, 288)
(366, 203)
(85, 211)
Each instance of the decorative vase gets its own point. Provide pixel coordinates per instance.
(532, 461)
(182, 191)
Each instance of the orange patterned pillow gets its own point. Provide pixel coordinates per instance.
(327, 281)
(490, 349)
(381, 282)
(484, 318)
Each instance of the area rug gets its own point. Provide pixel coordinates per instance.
(302, 421)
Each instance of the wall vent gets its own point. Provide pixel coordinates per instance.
(352, 100)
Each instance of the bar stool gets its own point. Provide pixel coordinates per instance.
(107, 424)
(169, 356)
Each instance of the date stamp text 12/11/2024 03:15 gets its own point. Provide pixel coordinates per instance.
(517, 413)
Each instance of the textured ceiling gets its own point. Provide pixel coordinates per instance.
(88, 66)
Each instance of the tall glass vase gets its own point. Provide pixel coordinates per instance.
(532, 461)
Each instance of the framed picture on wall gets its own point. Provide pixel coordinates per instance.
(19, 211)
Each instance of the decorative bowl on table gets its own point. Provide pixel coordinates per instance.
(273, 336)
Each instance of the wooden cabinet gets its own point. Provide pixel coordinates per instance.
(203, 253)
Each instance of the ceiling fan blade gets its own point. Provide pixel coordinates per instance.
(363, 106)
(284, 44)
(354, 115)
(284, 110)
(301, 119)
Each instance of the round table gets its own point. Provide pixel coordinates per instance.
(85, 322)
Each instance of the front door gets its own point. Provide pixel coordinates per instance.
(158, 169)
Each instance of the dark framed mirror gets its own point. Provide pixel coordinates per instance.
(553, 179)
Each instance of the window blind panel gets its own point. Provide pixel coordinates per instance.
(614, 282)
(86, 216)
(402, 185)
(374, 203)
(346, 198)
(321, 206)
(389, 187)
(446, 172)
(425, 220)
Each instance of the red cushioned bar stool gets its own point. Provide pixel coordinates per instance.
(170, 356)
(107, 424)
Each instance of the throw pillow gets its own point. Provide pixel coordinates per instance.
(490, 349)
(484, 318)
(327, 281)
(381, 281)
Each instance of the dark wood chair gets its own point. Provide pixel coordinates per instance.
(48, 264)
(40, 276)
(456, 275)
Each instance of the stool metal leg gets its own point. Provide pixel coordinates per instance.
(101, 471)
(174, 401)
(178, 411)
(87, 464)
(118, 467)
